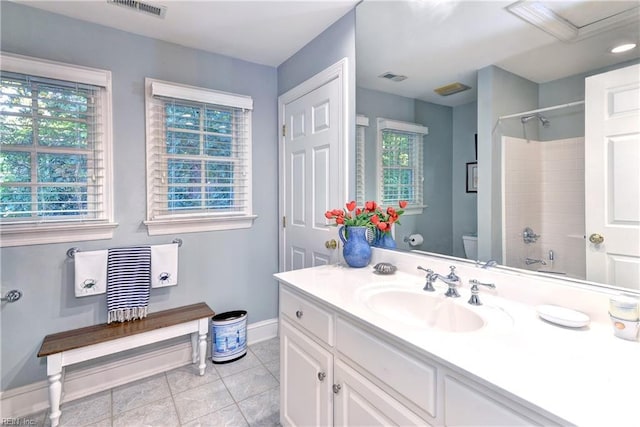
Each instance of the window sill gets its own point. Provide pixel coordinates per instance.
(43, 233)
(414, 210)
(194, 225)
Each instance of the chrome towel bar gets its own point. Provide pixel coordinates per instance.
(72, 251)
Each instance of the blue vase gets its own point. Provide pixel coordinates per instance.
(356, 249)
(384, 240)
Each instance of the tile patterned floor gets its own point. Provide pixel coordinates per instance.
(241, 393)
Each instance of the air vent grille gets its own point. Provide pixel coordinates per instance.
(158, 11)
(392, 76)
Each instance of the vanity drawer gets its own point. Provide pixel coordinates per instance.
(413, 379)
(307, 315)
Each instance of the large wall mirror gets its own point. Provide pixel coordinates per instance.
(504, 152)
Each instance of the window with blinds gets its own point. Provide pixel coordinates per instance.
(362, 123)
(400, 164)
(50, 162)
(198, 158)
(55, 152)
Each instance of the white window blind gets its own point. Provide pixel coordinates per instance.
(55, 152)
(400, 163)
(362, 123)
(51, 161)
(198, 157)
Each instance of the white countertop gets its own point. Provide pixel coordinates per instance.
(585, 376)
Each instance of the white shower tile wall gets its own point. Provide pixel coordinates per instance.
(245, 392)
(544, 189)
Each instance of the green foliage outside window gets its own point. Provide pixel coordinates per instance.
(200, 157)
(45, 141)
(398, 163)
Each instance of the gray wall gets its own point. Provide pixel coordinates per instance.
(464, 212)
(499, 93)
(226, 269)
(435, 223)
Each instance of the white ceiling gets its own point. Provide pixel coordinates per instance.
(266, 32)
(433, 42)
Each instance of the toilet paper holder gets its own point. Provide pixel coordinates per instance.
(414, 239)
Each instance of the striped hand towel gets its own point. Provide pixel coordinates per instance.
(128, 283)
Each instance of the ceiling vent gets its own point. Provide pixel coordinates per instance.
(393, 77)
(450, 89)
(157, 11)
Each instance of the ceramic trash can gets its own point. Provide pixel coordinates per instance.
(228, 336)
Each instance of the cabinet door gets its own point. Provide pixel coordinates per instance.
(470, 406)
(359, 402)
(306, 375)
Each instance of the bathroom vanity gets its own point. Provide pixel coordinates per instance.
(358, 348)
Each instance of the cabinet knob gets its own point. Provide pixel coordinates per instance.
(322, 376)
(337, 388)
(299, 314)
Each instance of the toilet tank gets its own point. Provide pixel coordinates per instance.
(470, 242)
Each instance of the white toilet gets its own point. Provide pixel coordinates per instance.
(470, 242)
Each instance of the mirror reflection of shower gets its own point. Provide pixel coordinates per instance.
(524, 119)
(543, 189)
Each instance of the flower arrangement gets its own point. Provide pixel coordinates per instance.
(370, 215)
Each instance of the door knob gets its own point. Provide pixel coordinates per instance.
(331, 244)
(596, 238)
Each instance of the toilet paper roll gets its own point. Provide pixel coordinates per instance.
(415, 240)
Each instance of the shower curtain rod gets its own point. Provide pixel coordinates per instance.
(539, 110)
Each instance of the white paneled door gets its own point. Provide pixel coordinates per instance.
(312, 175)
(612, 179)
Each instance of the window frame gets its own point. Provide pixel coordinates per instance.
(362, 122)
(67, 230)
(383, 124)
(197, 221)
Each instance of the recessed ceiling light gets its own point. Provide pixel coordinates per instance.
(450, 89)
(623, 48)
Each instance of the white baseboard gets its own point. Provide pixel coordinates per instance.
(33, 398)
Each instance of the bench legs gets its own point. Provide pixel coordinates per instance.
(54, 372)
(199, 345)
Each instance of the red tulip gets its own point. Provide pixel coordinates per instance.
(339, 220)
(328, 215)
(351, 206)
(402, 204)
(382, 226)
(358, 211)
(370, 206)
(391, 211)
(375, 219)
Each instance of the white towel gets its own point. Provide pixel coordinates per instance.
(90, 273)
(164, 265)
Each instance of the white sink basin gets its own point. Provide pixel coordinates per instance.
(420, 309)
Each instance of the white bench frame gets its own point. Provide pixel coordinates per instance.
(57, 362)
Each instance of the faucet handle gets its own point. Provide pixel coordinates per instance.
(428, 286)
(452, 275)
(475, 300)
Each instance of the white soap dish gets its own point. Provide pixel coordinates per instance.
(563, 316)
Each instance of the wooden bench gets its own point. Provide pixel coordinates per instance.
(66, 348)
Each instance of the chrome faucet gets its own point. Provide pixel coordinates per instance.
(490, 263)
(530, 261)
(452, 280)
